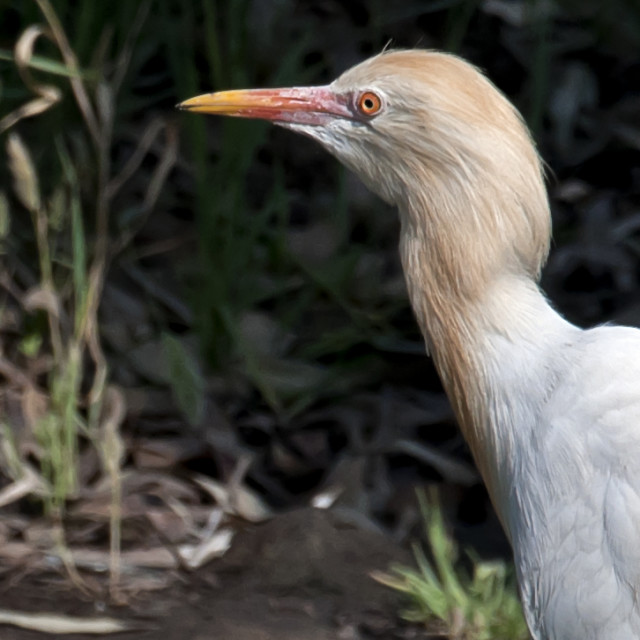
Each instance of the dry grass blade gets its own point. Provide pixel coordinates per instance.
(166, 162)
(124, 59)
(35, 406)
(66, 557)
(235, 499)
(25, 178)
(147, 139)
(57, 624)
(215, 546)
(12, 373)
(451, 469)
(29, 484)
(131, 561)
(47, 95)
(44, 299)
(113, 451)
(27, 188)
(14, 466)
(72, 63)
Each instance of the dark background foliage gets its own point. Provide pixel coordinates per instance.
(253, 308)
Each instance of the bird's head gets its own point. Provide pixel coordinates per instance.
(427, 132)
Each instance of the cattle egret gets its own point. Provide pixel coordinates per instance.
(551, 412)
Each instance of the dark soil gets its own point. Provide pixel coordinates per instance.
(302, 576)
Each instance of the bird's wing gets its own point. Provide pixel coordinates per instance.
(591, 453)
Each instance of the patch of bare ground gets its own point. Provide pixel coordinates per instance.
(303, 575)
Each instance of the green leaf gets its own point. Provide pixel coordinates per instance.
(185, 377)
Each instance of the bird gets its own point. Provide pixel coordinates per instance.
(550, 411)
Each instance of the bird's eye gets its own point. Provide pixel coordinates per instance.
(369, 103)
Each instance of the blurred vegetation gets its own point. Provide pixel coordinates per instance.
(237, 267)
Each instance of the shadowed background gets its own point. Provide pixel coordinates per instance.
(185, 297)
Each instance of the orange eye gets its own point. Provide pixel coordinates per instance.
(369, 103)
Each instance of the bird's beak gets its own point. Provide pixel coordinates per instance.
(298, 105)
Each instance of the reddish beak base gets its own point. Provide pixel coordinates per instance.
(297, 105)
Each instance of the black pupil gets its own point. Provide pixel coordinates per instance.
(368, 103)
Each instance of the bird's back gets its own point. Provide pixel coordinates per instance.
(577, 538)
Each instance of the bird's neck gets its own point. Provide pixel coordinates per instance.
(491, 334)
